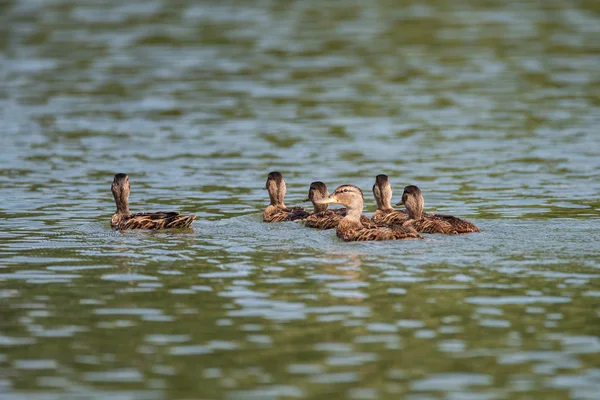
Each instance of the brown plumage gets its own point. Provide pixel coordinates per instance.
(123, 219)
(277, 211)
(412, 198)
(350, 227)
(385, 213)
(322, 218)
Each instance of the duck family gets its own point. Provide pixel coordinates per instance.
(387, 223)
(322, 217)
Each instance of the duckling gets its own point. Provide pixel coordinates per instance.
(385, 214)
(412, 198)
(277, 211)
(350, 227)
(123, 219)
(322, 218)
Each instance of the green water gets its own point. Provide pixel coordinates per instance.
(493, 109)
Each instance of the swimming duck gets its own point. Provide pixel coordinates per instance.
(385, 214)
(350, 227)
(412, 198)
(322, 218)
(123, 219)
(277, 211)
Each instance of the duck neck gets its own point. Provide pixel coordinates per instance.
(354, 210)
(122, 202)
(320, 207)
(385, 204)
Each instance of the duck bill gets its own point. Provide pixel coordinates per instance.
(306, 199)
(328, 200)
(400, 203)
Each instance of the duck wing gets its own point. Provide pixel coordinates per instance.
(431, 224)
(281, 214)
(156, 220)
(327, 219)
(297, 213)
(395, 232)
(390, 217)
(459, 225)
(368, 222)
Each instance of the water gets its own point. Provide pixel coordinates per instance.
(492, 109)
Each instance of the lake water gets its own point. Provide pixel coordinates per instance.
(492, 109)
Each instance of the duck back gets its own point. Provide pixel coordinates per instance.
(155, 220)
(350, 231)
(444, 224)
(330, 219)
(281, 214)
(390, 217)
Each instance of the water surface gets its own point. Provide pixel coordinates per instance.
(492, 109)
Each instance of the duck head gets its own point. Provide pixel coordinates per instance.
(412, 198)
(348, 195)
(318, 191)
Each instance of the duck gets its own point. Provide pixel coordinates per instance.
(385, 213)
(123, 219)
(412, 199)
(351, 229)
(322, 218)
(277, 210)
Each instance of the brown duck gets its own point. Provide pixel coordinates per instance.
(322, 218)
(412, 198)
(124, 219)
(350, 228)
(277, 211)
(385, 213)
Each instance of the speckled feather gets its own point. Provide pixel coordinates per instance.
(281, 214)
(446, 224)
(351, 231)
(390, 217)
(330, 219)
(155, 220)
